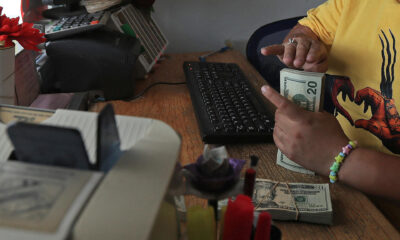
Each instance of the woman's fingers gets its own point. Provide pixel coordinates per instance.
(317, 52)
(289, 54)
(276, 49)
(279, 138)
(300, 52)
(284, 105)
(302, 49)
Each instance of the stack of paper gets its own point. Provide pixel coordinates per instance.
(294, 201)
(99, 5)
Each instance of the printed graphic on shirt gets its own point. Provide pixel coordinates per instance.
(385, 121)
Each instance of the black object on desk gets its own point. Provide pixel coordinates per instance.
(64, 147)
(97, 60)
(49, 145)
(227, 108)
(108, 141)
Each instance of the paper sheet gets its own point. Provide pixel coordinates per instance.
(6, 146)
(130, 129)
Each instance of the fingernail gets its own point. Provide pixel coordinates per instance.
(263, 51)
(264, 89)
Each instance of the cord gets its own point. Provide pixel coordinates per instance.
(150, 86)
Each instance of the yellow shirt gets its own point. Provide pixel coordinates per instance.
(364, 36)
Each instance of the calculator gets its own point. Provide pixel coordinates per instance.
(71, 25)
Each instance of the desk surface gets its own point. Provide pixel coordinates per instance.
(355, 217)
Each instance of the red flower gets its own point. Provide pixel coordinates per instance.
(24, 33)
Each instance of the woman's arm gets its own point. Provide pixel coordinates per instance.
(313, 139)
(372, 172)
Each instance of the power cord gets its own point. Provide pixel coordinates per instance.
(150, 86)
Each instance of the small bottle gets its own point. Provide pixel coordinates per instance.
(250, 177)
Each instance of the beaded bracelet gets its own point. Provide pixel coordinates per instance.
(339, 159)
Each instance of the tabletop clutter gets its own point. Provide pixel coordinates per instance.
(243, 208)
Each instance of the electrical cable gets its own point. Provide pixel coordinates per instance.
(150, 86)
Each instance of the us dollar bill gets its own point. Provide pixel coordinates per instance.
(294, 201)
(306, 90)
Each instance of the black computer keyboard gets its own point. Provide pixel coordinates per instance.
(227, 108)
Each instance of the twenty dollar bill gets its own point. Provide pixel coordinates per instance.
(294, 201)
(306, 90)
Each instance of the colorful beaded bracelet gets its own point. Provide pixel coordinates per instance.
(339, 159)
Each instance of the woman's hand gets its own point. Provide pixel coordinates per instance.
(301, 49)
(312, 139)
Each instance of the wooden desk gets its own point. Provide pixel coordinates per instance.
(355, 217)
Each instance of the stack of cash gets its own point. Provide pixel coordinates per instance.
(99, 5)
(294, 201)
(306, 90)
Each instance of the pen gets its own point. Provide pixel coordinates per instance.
(228, 46)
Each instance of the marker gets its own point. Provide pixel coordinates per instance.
(263, 229)
(250, 177)
(238, 220)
